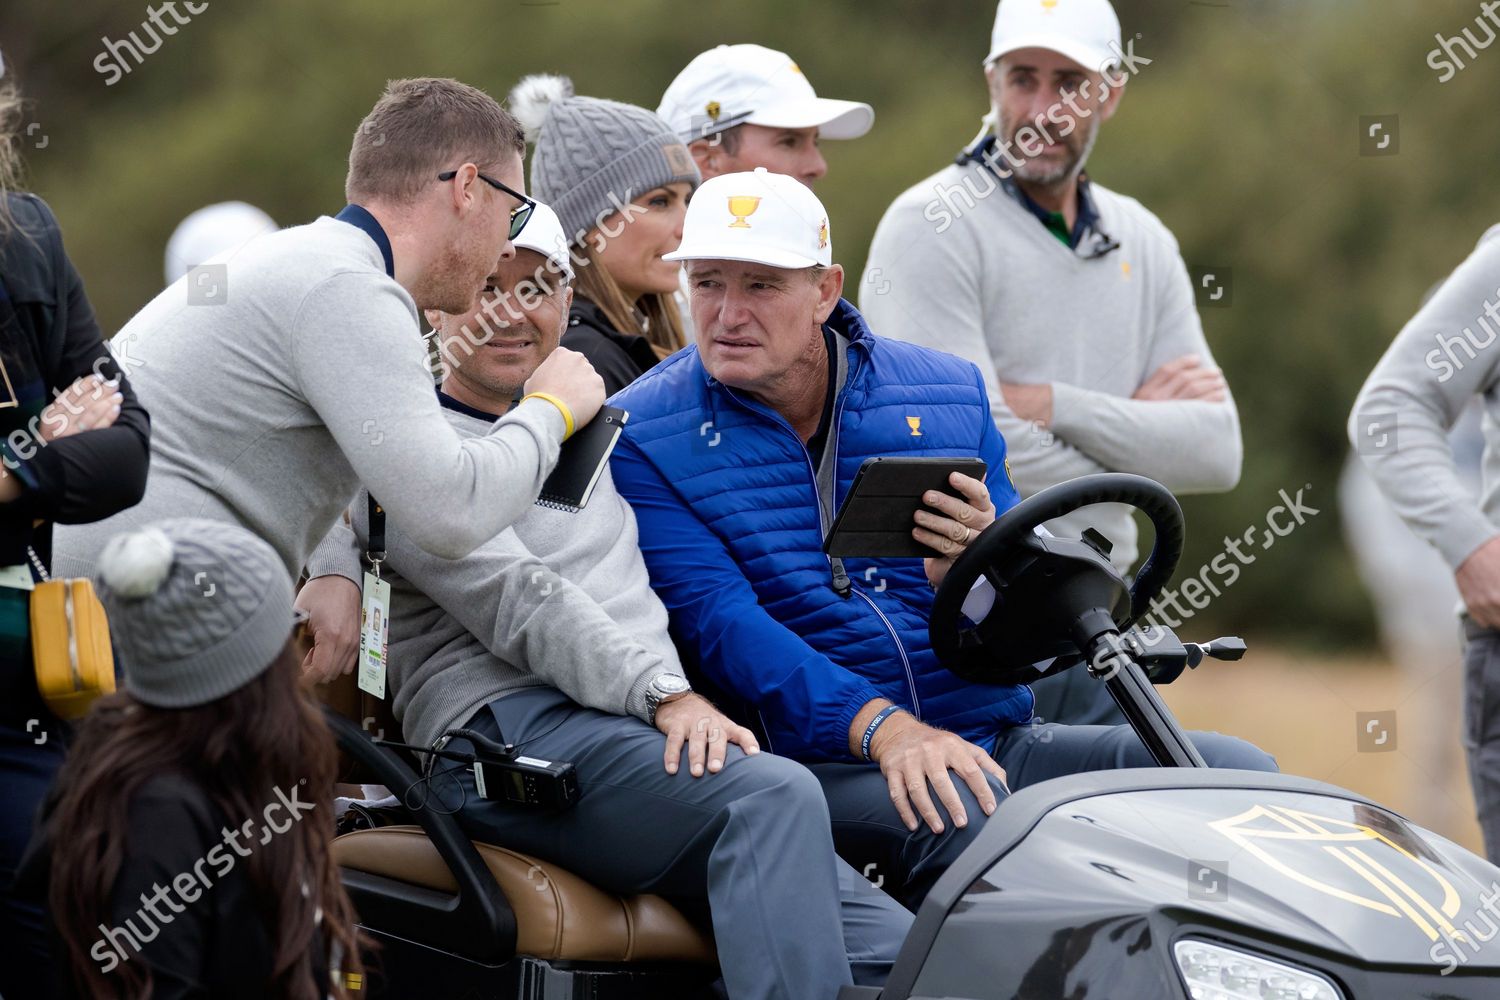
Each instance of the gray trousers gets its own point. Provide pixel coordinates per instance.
(1482, 728)
(1074, 698)
(751, 845)
(869, 833)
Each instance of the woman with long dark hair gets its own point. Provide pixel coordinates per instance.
(189, 838)
(67, 460)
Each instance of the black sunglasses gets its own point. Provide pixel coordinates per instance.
(518, 215)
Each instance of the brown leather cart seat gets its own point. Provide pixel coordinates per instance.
(558, 915)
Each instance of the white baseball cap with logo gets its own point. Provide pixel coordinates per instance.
(1086, 31)
(753, 85)
(543, 233)
(758, 217)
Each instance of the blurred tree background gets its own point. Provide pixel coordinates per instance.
(1242, 135)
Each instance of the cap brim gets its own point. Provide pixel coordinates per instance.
(561, 264)
(833, 119)
(735, 251)
(1087, 56)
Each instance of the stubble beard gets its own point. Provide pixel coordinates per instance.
(1036, 173)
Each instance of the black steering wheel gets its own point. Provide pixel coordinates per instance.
(1051, 594)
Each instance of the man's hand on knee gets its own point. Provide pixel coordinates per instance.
(913, 756)
(692, 720)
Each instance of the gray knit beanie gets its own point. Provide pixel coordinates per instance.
(197, 609)
(593, 156)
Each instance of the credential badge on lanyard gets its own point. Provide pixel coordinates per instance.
(375, 617)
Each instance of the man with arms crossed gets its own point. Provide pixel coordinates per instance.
(736, 453)
(1073, 300)
(281, 378)
(1445, 356)
(548, 636)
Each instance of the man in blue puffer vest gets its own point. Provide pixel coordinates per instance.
(737, 452)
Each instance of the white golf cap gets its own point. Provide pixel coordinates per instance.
(211, 231)
(756, 216)
(1086, 31)
(753, 85)
(543, 233)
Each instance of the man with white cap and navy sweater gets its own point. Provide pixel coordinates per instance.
(1073, 300)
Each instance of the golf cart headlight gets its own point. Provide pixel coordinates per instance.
(1214, 972)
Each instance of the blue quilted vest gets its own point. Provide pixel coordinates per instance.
(722, 486)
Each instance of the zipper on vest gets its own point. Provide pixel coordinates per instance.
(841, 584)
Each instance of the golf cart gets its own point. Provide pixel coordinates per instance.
(1158, 883)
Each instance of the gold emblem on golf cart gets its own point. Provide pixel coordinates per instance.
(713, 109)
(1370, 860)
(742, 206)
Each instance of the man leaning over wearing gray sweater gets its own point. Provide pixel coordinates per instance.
(1071, 299)
(549, 636)
(1446, 355)
(283, 376)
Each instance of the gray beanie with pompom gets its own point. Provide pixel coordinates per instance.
(593, 156)
(197, 609)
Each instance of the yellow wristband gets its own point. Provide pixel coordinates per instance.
(562, 408)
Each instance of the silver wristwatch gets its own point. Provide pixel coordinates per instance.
(661, 688)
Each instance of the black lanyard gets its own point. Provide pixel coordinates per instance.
(375, 551)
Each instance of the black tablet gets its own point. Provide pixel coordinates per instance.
(875, 520)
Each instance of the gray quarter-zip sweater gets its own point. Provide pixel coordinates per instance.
(279, 385)
(559, 599)
(959, 265)
(1447, 354)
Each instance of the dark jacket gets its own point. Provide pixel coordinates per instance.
(49, 339)
(619, 358)
(204, 936)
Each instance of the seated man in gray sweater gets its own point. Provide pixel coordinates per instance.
(549, 637)
(1072, 299)
(1445, 356)
(282, 376)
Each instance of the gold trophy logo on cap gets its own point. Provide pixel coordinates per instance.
(741, 206)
